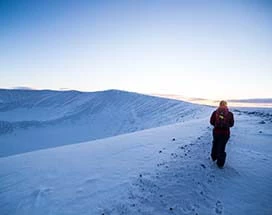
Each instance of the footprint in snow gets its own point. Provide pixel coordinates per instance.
(38, 196)
(219, 207)
(161, 164)
(90, 180)
(203, 166)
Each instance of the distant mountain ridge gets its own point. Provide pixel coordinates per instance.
(37, 119)
(256, 100)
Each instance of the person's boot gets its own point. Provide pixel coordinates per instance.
(221, 160)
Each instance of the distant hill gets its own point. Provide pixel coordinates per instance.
(38, 119)
(258, 102)
(265, 100)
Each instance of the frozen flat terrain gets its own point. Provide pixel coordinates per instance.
(147, 172)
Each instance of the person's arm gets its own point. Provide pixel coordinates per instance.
(212, 119)
(231, 120)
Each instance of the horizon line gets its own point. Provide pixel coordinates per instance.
(179, 96)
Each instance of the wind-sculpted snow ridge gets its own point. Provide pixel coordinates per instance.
(162, 171)
(31, 120)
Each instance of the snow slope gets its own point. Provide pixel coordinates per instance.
(31, 119)
(146, 172)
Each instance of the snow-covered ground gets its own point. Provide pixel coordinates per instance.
(31, 119)
(147, 172)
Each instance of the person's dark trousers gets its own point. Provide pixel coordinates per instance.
(218, 148)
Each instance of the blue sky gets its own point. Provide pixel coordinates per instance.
(209, 49)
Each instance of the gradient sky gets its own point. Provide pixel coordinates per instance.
(206, 49)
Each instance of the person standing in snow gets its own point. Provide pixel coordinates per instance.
(222, 119)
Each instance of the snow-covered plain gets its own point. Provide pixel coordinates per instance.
(163, 170)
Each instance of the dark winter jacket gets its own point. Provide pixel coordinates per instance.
(222, 131)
